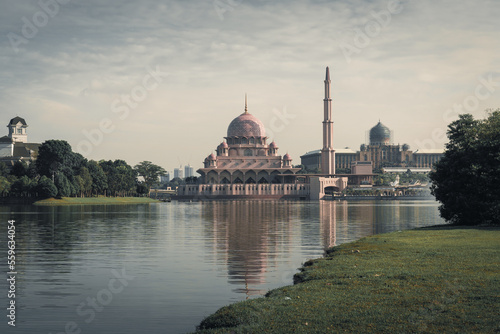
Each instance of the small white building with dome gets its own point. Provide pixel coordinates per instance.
(14, 147)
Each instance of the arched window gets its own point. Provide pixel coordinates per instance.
(252, 140)
(263, 180)
(244, 140)
(248, 153)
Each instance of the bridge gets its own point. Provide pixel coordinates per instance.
(162, 193)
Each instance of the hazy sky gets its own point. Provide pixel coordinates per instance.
(161, 81)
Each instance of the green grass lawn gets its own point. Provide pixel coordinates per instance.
(431, 280)
(95, 200)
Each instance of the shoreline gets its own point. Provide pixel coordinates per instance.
(95, 201)
(433, 279)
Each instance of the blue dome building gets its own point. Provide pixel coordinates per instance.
(380, 135)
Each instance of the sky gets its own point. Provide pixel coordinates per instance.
(161, 81)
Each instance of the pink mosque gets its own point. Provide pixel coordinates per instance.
(247, 167)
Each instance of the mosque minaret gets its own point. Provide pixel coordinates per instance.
(328, 153)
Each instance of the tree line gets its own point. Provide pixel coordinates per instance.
(60, 172)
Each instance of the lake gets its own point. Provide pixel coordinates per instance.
(163, 267)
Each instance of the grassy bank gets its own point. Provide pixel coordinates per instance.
(95, 200)
(432, 280)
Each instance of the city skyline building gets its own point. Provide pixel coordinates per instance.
(188, 171)
(165, 178)
(178, 173)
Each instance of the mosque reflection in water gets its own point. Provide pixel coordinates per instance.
(247, 236)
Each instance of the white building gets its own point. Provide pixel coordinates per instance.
(15, 147)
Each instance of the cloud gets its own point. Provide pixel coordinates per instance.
(428, 57)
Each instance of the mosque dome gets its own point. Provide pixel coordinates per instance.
(287, 157)
(222, 145)
(380, 134)
(273, 145)
(246, 125)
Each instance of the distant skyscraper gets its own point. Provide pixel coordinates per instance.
(178, 172)
(188, 171)
(165, 178)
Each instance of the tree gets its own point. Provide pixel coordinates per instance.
(142, 189)
(63, 185)
(150, 172)
(53, 155)
(99, 179)
(4, 186)
(467, 179)
(121, 177)
(191, 180)
(4, 170)
(19, 169)
(84, 180)
(342, 171)
(46, 188)
(175, 182)
(383, 179)
(21, 187)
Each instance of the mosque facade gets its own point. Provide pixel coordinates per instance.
(245, 157)
(247, 166)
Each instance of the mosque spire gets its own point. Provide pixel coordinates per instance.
(246, 107)
(327, 153)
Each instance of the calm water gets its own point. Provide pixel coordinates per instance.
(161, 268)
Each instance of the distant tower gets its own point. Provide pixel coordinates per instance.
(17, 130)
(188, 171)
(327, 153)
(178, 173)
